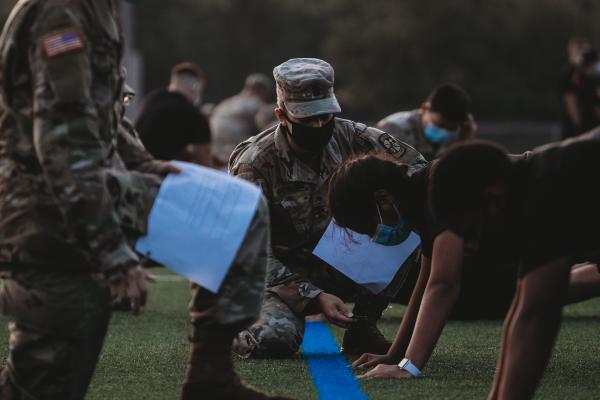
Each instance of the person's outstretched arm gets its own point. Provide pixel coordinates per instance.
(441, 293)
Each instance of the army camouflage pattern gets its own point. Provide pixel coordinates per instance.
(238, 302)
(67, 202)
(305, 87)
(297, 200)
(239, 299)
(279, 330)
(58, 324)
(66, 198)
(277, 334)
(406, 127)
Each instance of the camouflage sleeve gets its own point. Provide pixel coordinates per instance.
(134, 154)
(67, 139)
(293, 289)
(371, 139)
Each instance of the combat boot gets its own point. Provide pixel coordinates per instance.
(364, 337)
(210, 373)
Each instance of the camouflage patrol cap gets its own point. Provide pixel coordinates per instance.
(305, 87)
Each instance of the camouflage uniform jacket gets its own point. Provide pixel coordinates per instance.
(232, 122)
(66, 197)
(297, 198)
(406, 127)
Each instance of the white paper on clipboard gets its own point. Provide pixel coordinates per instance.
(198, 222)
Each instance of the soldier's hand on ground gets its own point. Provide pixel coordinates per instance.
(383, 371)
(335, 310)
(368, 360)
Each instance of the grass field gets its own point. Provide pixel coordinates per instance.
(145, 357)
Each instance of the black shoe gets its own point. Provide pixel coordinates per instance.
(364, 337)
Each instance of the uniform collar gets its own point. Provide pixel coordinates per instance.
(295, 170)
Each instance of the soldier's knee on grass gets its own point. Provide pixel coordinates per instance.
(267, 341)
(279, 346)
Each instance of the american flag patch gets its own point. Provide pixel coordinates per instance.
(62, 43)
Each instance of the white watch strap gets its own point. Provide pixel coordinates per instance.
(409, 367)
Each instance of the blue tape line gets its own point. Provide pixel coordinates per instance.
(331, 373)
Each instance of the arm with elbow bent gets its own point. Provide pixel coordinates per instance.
(441, 293)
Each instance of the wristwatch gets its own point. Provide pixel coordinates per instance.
(409, 367)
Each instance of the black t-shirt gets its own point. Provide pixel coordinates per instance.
(554, 204)
(168, 122)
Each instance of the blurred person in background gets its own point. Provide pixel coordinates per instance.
(576, 47)
(233, 120)
(266, 117)
(292, 162)
(170, 123)
(444, 118)
(579, 89)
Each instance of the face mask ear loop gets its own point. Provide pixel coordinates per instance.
(378, 212)
(400, 219)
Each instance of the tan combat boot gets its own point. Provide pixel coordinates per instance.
(210, 373)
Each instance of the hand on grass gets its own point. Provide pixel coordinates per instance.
(335, 310)
(383, 371)
(368, 360)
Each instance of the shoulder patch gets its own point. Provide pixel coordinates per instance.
(63, 42)
(392, 145)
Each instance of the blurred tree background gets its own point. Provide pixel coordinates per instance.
(387, 54)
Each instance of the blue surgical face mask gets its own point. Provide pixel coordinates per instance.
(435, 134)
(391, 235)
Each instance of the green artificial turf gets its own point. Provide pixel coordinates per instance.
(145, 357)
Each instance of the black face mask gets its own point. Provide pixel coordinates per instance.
(312, 139)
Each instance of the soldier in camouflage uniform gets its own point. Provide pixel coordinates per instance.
(291, 162)
(444, 118)
(216, 318)
(68, 205)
